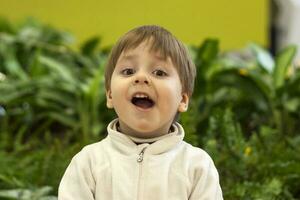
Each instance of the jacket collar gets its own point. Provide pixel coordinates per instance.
(126, 144)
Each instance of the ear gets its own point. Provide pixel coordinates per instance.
(183, 106)
(109, 102)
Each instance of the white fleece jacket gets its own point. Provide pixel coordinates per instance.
(116, 168)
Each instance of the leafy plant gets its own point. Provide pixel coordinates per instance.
(253, 168)
(47, 86)
(260, 89)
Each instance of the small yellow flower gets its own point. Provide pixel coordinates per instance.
(247, 151)
(243, 72)
(290, 71)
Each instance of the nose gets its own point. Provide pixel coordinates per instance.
(141, 79)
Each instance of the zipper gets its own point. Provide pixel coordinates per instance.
(141, 155)
(140, 160)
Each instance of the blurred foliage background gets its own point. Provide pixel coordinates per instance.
(244, 112)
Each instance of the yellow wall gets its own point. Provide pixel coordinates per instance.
(235, 22)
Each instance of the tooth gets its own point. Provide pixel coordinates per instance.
(141, 96)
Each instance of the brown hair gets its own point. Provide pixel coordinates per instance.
(164, 42)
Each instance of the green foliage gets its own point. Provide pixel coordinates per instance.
(253, 168)
(25, 194)
(47, 86)
(244, 112)
(50, 95)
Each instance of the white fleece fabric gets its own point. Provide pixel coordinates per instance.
(116, 168)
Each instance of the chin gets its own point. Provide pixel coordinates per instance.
(144, 128)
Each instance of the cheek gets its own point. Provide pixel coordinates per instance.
(116, 92)
(171, 95)
(119, 90)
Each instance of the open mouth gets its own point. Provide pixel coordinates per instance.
(142, 101)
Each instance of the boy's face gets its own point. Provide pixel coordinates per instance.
(145, 92)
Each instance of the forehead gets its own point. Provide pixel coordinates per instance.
(133, 53)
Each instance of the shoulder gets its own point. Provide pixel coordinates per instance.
(199, 161)
(91, 154)
(192, 154)
(195, 154)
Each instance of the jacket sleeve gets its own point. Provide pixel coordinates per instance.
(78, 182)
(206, 183)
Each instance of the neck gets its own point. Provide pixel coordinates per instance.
(139, 140)
(123, 128)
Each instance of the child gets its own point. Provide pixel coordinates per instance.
(149, 80)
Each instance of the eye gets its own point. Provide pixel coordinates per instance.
(159, 72)
(127, 71)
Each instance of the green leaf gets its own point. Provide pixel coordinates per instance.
(28, 194)
(292, 104)
(12, 64)
(244, 84)
(64, 119)
(283, 60)
(5, 26)
(56, 96)
(16, 194)
(90, 45)
(263, 57)
(208, 50)
(16, 92)
(57, 67)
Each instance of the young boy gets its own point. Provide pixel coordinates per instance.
(149, 79)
